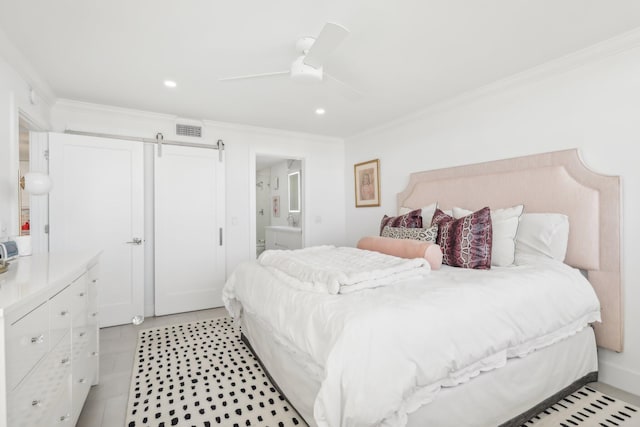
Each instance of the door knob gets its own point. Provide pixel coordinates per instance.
(135, 241)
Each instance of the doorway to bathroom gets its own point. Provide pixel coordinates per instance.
(279, 203)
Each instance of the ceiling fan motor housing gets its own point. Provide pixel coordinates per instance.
(305, 73)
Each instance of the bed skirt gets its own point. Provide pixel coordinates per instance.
(507, 396)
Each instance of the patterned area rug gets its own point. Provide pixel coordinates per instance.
(587, 407)
(201, 374)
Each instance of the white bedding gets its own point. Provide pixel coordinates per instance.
(381, 353)
(340, 270)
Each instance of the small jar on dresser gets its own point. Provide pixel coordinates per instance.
(48, 338)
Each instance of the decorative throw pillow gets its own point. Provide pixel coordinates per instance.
(412, 219)
(423, 234)
(504, 226)
(404, 248)
(465, 242)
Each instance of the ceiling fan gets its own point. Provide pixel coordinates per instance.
(308, 67)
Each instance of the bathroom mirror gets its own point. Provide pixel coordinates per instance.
(294, 191)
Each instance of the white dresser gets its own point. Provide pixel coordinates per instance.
(49, 339)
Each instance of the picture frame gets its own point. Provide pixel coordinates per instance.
(366, 177)
(275, 206)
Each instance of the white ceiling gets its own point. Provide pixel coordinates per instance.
(402, 55)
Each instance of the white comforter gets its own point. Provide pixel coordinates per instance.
(381, 353)
(340, 270)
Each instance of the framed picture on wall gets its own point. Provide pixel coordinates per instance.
(367, 183)
(275, 206)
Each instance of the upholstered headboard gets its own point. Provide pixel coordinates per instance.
(549, 182)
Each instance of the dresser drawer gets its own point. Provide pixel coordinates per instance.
(82, 378)
(92, 303)
(60, 314)
(80, 343)
(40, 399)
(61, 415)
(80, 300)
(27, 342)
(93, 357)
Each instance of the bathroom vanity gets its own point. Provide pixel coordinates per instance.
(283, 237)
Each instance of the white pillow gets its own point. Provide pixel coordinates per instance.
(427, 213)
(504, 223)
(542, 234)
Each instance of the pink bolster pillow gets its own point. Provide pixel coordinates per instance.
(404, 248)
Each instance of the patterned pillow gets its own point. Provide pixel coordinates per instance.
(423, 234)
(465, 242)
(408, 220)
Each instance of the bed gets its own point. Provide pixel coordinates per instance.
(421, 352)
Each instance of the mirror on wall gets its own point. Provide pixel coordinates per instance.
(294, 191)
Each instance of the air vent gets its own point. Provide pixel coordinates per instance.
(189, 130)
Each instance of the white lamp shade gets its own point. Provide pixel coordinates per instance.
(37, 183)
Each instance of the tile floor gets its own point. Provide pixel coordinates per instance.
(107, 402)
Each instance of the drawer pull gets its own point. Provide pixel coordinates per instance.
(65, 361)
(82, 380)
(36, 403)
(37, 340)
(94, 314)
(65, 417)
(81, 294)
(81, 334)
(94, 353)
(94, 280)
(64, 312)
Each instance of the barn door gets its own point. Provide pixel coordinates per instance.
(189, 216)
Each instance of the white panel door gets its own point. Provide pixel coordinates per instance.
(189, 215)
(96, 203)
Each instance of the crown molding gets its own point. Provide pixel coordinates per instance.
(271, 131)
(583, 57)
(111, 109)
(25, 70)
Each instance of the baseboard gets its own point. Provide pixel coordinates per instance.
(618, 377)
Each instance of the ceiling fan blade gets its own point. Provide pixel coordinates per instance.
(347, 90)
(327, 41)
(253, 76)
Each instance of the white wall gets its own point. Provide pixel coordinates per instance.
(323, 166)
(594, 106)
(14, 99)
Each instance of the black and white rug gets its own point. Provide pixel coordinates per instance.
(587, 407)
(201, 374)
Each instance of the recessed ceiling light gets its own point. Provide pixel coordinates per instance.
(170, 83)
(320, 111)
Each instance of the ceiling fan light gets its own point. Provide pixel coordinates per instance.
(320, 111)
(305, 73)
(170, 83)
